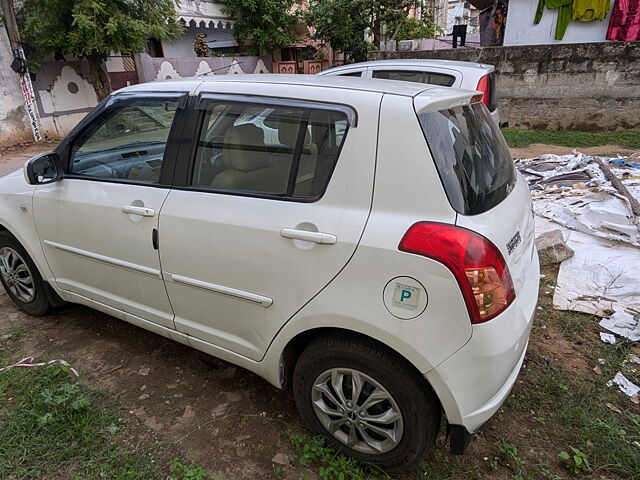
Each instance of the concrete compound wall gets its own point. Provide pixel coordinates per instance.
(14, 127)
(150, 68)
(585, 86)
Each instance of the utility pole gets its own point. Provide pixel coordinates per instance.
(20, 66)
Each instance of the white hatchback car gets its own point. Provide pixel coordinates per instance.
(373, 250)
(446, 73)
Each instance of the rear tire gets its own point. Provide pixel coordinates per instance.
(20, 277)
(400, 423)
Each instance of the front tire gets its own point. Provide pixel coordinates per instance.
(366, 400)
(20, 277)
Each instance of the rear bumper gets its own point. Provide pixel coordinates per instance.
(473, 383)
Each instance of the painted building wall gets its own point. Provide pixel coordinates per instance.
(521, 30)
(462, 13)
(183, 46)
(14, 127)
(63, 96)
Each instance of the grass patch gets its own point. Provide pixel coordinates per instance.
(570, 138)
(53, 427)
(331, 465)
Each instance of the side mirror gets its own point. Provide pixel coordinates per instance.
(44, 168)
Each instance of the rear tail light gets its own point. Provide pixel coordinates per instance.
(484, 87)
(475, 262)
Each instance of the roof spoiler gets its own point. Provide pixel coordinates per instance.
(436, 99)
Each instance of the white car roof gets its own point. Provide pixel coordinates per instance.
(414, 62)
(409, 89)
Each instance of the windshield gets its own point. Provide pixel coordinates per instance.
(471, 155)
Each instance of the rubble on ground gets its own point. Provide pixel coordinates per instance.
(572, 194)
(552, 248)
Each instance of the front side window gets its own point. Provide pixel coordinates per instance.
(350, 74)
(268, 150)
(126, 142)
(416, 76)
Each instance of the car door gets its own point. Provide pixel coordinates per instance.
(263, 222)
(98, 224)
(431, 75)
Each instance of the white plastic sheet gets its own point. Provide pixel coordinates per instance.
(627, 387)
(623, 324)
(603, 277)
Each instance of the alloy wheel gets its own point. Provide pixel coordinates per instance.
(357, 410)
(16, 275)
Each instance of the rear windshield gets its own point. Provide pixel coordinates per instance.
(471, 155)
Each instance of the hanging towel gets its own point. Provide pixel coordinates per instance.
(588, 10)
(624, 25)
(564, 14)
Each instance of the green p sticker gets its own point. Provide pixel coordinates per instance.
(406, 296)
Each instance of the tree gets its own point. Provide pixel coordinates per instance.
(411, 28)
(92, 29)
(345, 24)
(342, 23)
(268, 24)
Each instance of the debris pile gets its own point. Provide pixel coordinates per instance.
(573, 196)
(588, 219)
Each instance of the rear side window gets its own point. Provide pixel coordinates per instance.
(416, 76)
(471, 156)
(350, 74)
(257, 149)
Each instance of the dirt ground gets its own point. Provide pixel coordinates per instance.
(537, 149)
(12, 158)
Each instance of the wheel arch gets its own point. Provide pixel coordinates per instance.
(296, 345)
(54, 298)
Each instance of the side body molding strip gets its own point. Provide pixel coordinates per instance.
(252, 297)
(102, 258)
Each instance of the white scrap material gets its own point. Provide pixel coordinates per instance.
(27, 362)
(597, 213)
(627, 387)
(602, 276)
(624, 324)
(608, 338)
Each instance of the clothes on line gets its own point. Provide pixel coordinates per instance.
(564, 14)
(624, 25)
(589, 10)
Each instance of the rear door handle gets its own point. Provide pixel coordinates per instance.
(143, 211)
(307, 236)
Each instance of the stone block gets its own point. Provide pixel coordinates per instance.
(552, 248)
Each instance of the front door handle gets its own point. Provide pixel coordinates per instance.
(143, 211)
(307, 236)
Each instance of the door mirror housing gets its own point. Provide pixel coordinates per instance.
(44, 168)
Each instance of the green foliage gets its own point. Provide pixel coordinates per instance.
(345, 24)
(49, 425)
(342, 24)
(95, 28)
(268, 24)
(200, 46)
(331, 464)
(572, 138)
(411, 28)
(92, 29)
(577, 462)
(508, 454)
(180, 471)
